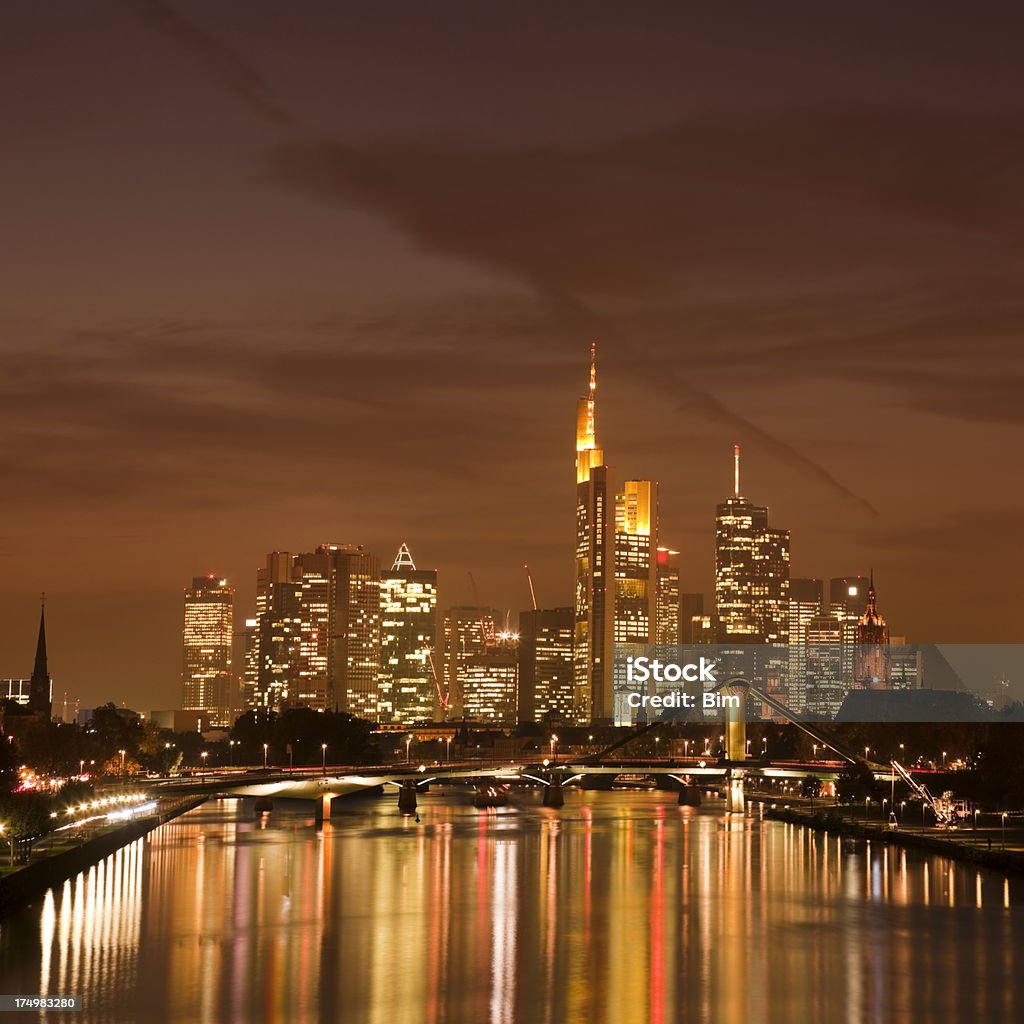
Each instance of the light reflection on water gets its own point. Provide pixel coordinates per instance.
(621, 907)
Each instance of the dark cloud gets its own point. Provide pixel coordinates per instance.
(231, 72)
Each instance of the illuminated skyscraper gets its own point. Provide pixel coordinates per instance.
(318, 632)
(250, 663)
(545, 665)
(806, 599)
(278, 632)
(847, 602)
(207, 639)
(827, 685)
(595, 566)
(667, 618)
(751, 571)
(490, 683)
(636, 566)
(408, 633)
(468, 630)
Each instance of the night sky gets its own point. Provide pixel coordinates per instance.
(278, 274)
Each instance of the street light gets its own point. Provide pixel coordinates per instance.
(553, 743)
(408, 748)
(1003, 816)
(121, 752)
(204, 755)
(866, 749)
(266, 747)
(81, 766)
(448, 748)
(943, 759)
(323, 756)
(231, 753)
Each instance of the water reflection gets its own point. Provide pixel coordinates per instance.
(621, 907)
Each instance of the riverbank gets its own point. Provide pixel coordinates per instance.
(23, 886)
(987, 846)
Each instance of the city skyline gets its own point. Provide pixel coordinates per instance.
(812, 258)
(646, 492)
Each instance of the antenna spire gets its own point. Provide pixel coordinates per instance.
(736, 470)
(403, 560)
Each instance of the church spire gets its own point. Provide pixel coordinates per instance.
(39, 687)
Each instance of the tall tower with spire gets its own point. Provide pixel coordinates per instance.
(751, 570)
(40, 693)
(595, 565)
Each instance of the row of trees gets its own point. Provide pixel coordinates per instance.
(117, 742)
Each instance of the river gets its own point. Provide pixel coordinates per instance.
(621, 907)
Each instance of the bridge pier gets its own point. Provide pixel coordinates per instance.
(553, 795)
(407, 797)
(735, 799)
(689, 796)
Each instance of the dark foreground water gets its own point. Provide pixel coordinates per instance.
(621, 907)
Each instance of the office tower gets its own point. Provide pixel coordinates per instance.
(636, 580)
(40, 686)
(250, 663)
(278, 632)
(467, 630)
(595, 566)
(353, 654)
(806, 602)
(408, 633)
(871, 658)
(546, 665)
(318, 633)
(636, 565)
(691, 615)
(207, 640)
(751, 571)
(490, 682)
(667, 617)
(826, 683)
(847, 602)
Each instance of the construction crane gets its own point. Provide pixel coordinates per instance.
(486, 621)
(529, 579)
(443, 697)
(943, 807)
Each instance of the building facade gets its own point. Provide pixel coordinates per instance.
(318, 630)
(467, 630)
(751, 571)
(806, 603)
(668, 608)
(490, 683)
(408, 635)
(207, 649)
(594, 610)
(546, 665)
